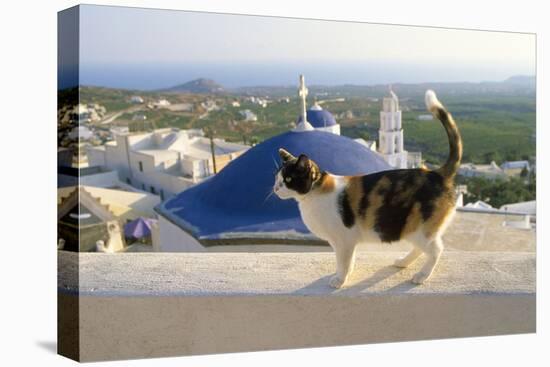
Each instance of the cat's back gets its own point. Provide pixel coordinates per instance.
(397, 202)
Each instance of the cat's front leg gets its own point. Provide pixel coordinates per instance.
(345, 261)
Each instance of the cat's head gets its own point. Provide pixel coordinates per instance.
(296, 176)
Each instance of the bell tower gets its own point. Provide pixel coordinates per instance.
(390, 145)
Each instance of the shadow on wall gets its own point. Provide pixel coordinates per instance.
(354, 287)
(48, 345)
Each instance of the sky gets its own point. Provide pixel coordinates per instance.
(148, 49)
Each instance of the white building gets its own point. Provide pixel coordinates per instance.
(164, 162)
(248, 115)
(136, 99)
(524, 207)
(210, 105)
(181, 107)
(161, 103)
(515, 168)
(371, 144)
(425, 117)
(391, 142)
(490, 171)
(480, 205)
(139, 116)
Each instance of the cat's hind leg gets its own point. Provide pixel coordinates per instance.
(433, 249)
(408, 259)
(345, 262)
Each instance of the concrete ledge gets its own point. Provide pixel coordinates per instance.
(218, 274)
(152, 305)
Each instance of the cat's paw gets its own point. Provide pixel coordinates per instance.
(420, 277)
(336, 282)
(401, 263)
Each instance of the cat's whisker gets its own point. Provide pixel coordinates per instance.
(277, 167)
(268, 196)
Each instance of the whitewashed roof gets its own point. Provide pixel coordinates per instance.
(525, 207)
(515, 165)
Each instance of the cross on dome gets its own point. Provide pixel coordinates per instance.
(304, 125)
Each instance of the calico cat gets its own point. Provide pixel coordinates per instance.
(403, 204)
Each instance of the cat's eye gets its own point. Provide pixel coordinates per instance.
(288, 179)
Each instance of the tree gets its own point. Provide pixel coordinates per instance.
(209, 132)
(492, 156)
(524, 172)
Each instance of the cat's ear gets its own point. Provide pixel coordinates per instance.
(303, 162)
(285, 156)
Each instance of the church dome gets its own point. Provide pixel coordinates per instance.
(236, 202)
(318, 117)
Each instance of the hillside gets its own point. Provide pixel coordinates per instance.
(513, 86)
(199, 86)
(496, 119)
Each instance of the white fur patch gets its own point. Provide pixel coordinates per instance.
(431, 100)
(280, 189)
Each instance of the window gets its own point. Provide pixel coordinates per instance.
(161, 194)
(140, 166)
(153, 191)
(128, 181)
(143, 186)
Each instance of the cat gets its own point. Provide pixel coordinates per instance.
(388, 206)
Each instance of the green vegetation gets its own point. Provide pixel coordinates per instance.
(500, 192)
(498, 128)
(113, 99)
(494, 126)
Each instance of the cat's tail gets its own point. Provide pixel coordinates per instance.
(455, 141)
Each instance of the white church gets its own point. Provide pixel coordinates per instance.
(390, 143)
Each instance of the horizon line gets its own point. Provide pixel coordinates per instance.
(344, 84)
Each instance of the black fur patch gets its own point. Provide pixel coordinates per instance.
(369, 182)
(407, 188)
(391, 217)
(297, 175)
(427, 193)
(346, 213)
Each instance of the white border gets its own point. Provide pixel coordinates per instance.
(28, 90)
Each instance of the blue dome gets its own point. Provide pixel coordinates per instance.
(236, 201)
(318, 117)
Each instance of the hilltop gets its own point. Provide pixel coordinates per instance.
(199, 86)
(527, 80)
(512, 86)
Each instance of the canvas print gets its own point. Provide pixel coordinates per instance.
(232, 183)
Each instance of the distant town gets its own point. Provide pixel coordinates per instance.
(134, 150)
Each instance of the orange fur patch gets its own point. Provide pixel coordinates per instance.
(375, 202)
(413, 220)
(354, 190)
(443, 207)
(327, 184)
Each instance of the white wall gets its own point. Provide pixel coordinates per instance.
(116, 158)
(96, 157)
(334, 129)
(174, 239)
(195, 167)
(147, 161)
(170, 184)
(104, 179)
